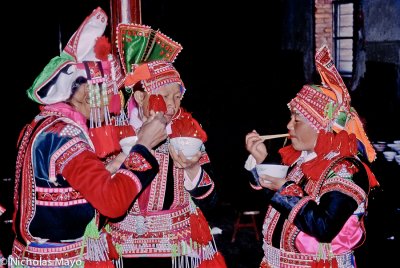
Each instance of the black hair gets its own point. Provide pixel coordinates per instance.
(80, 80)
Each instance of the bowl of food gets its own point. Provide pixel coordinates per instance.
(189, 146)
(127, 143)
(273, 170)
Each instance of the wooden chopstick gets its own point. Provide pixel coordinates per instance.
(275, 136)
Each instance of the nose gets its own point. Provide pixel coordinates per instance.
(290, 125)
(169, 101)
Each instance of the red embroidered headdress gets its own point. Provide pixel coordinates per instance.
(327, 106)
(147, 56)
(154, 75)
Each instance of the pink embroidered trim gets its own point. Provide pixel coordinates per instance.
(54, 190)
(60, 204)
(270, 223)
(345, 186)
(159, 185)
(68, 252)
(181, 196)
(66, 153)
(207, 193)
(57, 194)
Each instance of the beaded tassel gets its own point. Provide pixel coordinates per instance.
(325, 257)
(97, 250)
(97, 99)
(107, 117)
(92, 104)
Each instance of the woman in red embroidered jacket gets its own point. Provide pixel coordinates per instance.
(315, 216)
(61, 184)
(165, 227)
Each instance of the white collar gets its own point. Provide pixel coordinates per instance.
(305, 157)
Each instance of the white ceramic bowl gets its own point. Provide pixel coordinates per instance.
(188, 145)
(394, 146)
(389, 155)
(127, 143)
(273, 170)
(379, 146)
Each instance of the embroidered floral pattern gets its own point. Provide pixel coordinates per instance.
(292, 190)
(59, 196)
(137, 162)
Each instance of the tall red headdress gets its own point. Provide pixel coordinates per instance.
(327, 106)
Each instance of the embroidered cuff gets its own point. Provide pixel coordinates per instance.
(137, 162)
(285, 203)
(292, 190)
(142, 163)
(250, 163)
(204, 187)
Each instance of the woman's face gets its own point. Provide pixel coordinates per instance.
(80, 100)
(303, 136)
(172, 96)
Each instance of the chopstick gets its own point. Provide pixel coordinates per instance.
(275, 136)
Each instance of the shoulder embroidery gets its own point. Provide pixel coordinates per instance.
(70, 130)
(63, 129)
(344, 170)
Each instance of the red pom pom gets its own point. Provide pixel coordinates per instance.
(199, 228)
(102, 48)
(186, 126)
(157, 103)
